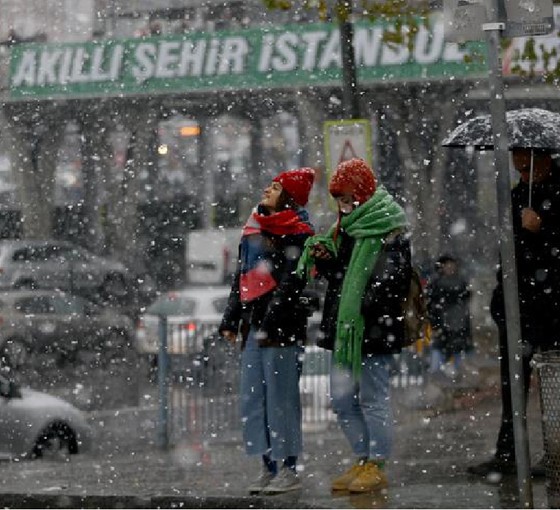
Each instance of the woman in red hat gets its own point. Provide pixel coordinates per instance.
(366, 260)
(262, 307)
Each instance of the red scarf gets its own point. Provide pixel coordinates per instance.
(287, 222)
(256, 278)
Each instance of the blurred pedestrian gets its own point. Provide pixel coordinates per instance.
(536, 227)
(264, 306)
(365, 258)
(449, 313)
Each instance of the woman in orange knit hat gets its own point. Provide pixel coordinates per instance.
(365, 258)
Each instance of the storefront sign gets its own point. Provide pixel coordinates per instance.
(543, 58)
(293, 55)
(463, 20)
(528, 17)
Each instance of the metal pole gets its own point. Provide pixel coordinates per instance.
(350, 100)
(163, 369)
(507, 253)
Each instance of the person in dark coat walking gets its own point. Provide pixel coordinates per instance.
(264, 306)
(366, 260)
(449, 313)
(536, 228)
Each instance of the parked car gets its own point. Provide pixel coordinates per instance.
(62, 265)
(35, 424)
(193, 314)
(51, 321)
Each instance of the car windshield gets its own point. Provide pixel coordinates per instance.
(220, 304)
(34, 305)
(35, 253)
(172, 304)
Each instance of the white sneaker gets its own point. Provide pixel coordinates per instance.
(285, 481)
(263, 480)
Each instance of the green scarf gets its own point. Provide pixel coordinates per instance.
(368, 225)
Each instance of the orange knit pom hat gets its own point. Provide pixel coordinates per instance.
(354, 177)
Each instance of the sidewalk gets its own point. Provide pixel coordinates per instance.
(433, 447)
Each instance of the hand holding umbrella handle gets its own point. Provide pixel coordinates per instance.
(530, 220)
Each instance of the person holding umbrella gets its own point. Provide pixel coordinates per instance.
(536, 229)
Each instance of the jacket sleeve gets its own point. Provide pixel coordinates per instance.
(434, 304)
(232, 313)
(550, 221)
(390, 281)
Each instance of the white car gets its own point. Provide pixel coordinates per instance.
(35, 424)
(192, 314)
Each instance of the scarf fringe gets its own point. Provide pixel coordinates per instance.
(348, 351)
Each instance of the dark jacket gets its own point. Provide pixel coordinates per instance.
(448, 309)
(538, 263)
(383, 298)
(279, 315)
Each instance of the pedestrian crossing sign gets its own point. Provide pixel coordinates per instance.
(347, 139)
(344, 140)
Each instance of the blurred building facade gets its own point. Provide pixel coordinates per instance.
(56, 20)
(160, 162)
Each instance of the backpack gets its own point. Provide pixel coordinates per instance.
(414, 307)
(415, 311)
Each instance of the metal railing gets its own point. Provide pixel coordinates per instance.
(199, 391)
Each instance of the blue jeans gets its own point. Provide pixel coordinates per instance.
(363, 407)
(270, 399)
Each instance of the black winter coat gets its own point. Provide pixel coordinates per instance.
(278, 315)
(448, 309)
(538, 264)
(382, 300)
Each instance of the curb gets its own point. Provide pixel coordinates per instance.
(47, 501)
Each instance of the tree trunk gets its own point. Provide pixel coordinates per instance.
(423, 172)
(125, 208)
(34, 154)
(311, 117)
(92, 172)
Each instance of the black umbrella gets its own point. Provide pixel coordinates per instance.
(531, 128)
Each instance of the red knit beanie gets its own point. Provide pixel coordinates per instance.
(355, 177)
(297, 183)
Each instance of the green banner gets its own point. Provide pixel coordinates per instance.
(280, 56)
